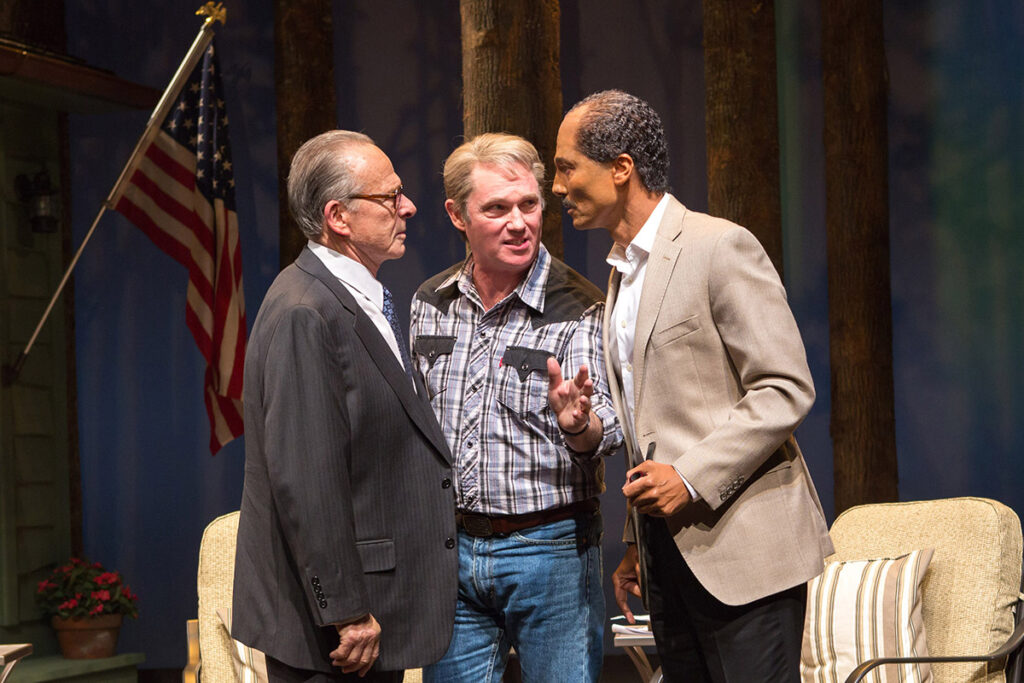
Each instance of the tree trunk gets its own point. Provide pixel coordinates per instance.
(304, 86)
(512, 83)
(857, 219)
(742, 118)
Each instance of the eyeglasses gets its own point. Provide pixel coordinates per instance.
(395, 194)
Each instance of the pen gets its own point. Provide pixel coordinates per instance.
(649, 456)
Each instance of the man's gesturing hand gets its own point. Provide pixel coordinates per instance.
(569, 400)
(358, 646)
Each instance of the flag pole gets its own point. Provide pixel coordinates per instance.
(214, 12)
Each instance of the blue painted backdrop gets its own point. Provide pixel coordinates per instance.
(956, 156)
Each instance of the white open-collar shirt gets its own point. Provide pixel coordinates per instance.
(631, 262)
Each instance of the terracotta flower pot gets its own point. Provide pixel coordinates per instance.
(89, 637)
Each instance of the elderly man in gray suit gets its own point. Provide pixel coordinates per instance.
(346, 566)
(709, 378)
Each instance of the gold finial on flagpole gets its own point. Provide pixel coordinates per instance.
(213, 11)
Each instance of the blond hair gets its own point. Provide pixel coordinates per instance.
(500, 149)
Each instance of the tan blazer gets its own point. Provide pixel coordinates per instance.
(721, 381)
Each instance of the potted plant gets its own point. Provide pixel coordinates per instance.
(86, 604)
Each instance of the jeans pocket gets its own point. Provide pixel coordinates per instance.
(578, 532)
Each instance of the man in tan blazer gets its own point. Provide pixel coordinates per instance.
(710, 379)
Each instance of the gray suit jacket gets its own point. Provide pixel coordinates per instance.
(720, 383)
(347, 506)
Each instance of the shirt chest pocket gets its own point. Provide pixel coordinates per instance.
(523, 385)
(433, 356)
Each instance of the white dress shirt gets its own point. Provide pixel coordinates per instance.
(364, 287)
(631, 262)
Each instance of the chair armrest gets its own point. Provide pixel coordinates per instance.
(190, 674)
(9, 656)
(1012, 644)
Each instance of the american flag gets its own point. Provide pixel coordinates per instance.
(182, 194)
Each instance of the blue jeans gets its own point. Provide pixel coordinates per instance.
(538, 590)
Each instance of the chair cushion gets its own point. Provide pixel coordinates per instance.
(972, 583)
(214, 583)
(862, 609)
(250, 664)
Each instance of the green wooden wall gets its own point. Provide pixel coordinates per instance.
(34, 441)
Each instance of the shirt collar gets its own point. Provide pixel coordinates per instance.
(530, 291)
(351, 272)
(627, 259)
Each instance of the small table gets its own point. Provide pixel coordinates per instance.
(9, 656)
(633, 644)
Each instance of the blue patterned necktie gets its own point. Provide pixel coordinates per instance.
(392, 318)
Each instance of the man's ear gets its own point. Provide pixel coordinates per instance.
(454, 215)
(622, 169)
(336, 218)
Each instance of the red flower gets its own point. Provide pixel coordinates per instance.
(82, 588)
(107, 579)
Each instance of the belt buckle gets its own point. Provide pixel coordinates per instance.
(477, 525)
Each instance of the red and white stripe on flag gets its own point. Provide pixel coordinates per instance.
(181, 194)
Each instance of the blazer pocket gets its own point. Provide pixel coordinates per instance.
(675, 331)
(377, 555)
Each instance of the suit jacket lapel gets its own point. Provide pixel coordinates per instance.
(610, 362)
(415, 404)
(660, 265)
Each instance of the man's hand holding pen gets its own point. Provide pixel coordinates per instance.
(655, 489)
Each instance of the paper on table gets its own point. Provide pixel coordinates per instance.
(641, 627)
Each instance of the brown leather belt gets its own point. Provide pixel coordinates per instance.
(483, 526)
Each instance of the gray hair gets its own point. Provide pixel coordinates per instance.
(500, 149)
(613, 122)
(320, 172)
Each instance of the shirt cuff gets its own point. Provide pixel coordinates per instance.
(693, 492)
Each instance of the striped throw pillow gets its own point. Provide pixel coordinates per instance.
(249, 663)
(859, 610)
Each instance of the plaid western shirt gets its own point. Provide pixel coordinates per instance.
(486, 373)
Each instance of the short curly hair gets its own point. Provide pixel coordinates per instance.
(613, 122)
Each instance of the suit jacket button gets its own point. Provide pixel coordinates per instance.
(316, 580)
(446, 483)
(323, 604)
(450, 543)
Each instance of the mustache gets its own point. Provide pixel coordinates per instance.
(566, 204)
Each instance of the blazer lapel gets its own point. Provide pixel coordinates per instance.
(610, 362)
(415, 404)
(660, 264)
